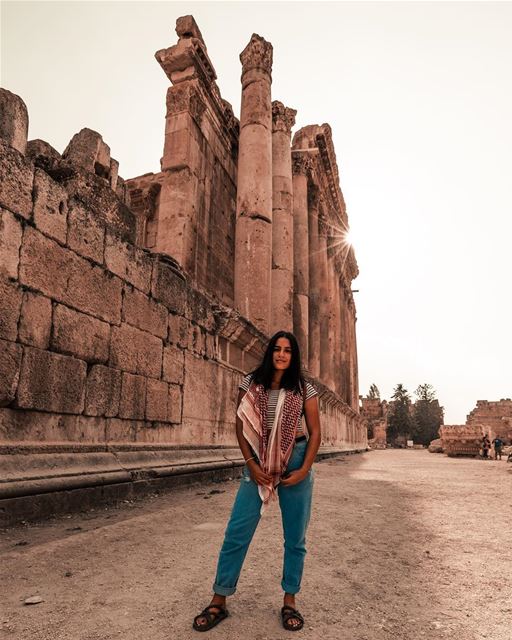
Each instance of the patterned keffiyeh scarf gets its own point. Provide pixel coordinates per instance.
(273, 446)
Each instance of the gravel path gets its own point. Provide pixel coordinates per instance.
(402, 545)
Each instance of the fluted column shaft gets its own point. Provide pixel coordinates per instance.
(315, 282)
(253, 235)
(301, 164)
(281, 313)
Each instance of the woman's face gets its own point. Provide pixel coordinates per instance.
(282, 356)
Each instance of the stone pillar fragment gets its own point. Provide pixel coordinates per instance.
(253, 237)
(283, 120)
(13, 120)
(315, 282)
(301, 165)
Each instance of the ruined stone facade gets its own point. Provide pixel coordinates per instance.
(493, 418)
(375, 411)
(130, 309)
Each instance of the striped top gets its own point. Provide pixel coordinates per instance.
(273, 395)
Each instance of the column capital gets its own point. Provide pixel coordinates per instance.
(301, 163)
(283, 118)
(257, 55)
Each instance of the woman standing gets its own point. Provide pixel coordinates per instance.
(278, 456)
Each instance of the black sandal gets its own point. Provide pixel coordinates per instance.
(212, 617)
(287, 613)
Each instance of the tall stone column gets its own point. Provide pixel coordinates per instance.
(325, 353)
(345, 365)
(353, 360)
(301, 165)
(337, 336)
(253, 235)
(281, 314)
(315, 282)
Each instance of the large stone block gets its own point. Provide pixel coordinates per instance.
(128, 262)
(16, 179)
(175, 406)
(173, 365)
(199, 310)
(169, 287)
(10, 307)
(36, 320)
(209, 394)
(118, 430)
(179, 330)
(80, 335)
(103, 391)
(42, 154)
(13, 120)
(10, 361)
(133, 397)
(10, 243)
(157, 399)
(144, 313)
(62, 275)
(86, 233)
(51, 382)
(136, 351)
(37, 426)
(50, 206)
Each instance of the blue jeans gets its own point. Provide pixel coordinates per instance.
(295, 504)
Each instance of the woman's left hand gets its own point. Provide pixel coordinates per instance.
(294, 477)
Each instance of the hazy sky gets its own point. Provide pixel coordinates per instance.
(420, 102)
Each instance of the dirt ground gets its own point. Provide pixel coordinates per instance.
(402, 544)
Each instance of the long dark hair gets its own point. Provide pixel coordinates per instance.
(292, 377)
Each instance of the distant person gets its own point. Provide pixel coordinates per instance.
(278, 458)
(486, 445)
(498, 446)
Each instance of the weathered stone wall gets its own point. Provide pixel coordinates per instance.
(494, 417)
(374, 412)
(104, 341)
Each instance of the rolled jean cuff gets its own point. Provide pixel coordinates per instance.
(288, 588)
(223, 591)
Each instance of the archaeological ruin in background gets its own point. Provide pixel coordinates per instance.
(131, 308)
(491, 418)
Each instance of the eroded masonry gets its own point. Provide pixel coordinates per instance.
(131, 308)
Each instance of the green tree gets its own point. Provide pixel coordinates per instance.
(374, 392)
(428, 415)
(400, 419)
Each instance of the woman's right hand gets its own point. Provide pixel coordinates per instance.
(257, 474)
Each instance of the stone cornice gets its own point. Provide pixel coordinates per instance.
(283, 118)
(185, 61)
(257, 55)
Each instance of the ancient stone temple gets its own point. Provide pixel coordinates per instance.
(131, 308)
